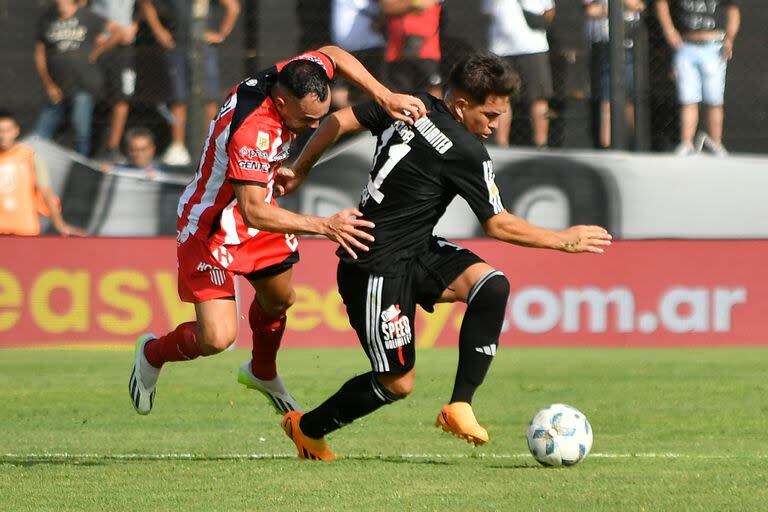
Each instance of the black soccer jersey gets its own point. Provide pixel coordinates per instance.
(417, 171)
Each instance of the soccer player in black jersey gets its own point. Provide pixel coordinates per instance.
(417, 172)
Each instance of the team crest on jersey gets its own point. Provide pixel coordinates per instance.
(262, 141)
(395, 327)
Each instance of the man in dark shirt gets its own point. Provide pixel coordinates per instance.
(65, 54)
(418, 170)
(702, 33)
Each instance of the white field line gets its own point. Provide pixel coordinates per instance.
(20, 457)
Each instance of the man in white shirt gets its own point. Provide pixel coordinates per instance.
(353, 27)
(519, 33)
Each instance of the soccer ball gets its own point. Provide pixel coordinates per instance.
(559, 436)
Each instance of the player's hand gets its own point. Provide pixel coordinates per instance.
(344, 229)
(404, 107)
(727, 50)
(165, 39)
(286, 181)
(67, 230)
(585, 239)
(213, 37)
(674, 39)
(54, 93)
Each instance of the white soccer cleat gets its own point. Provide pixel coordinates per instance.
(141, 385)
(274, 389)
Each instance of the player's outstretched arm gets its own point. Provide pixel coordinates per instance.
(514, 230)
(334, 126)
(399, 106)
(344, 228)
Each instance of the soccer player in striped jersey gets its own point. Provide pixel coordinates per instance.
(229, 223)
(418, 170)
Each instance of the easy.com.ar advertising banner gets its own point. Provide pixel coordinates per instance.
(640, 293)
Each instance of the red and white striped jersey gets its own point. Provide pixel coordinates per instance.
(247, 142)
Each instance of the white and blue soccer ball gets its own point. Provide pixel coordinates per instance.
(559, 435)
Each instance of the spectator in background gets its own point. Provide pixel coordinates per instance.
(170, 23)
(141, 149)
(65, 56)
(354, 28)
(118, 66)
(25, 187)
(413, 45)
(600, 60)
(702, 33)
(519, 33)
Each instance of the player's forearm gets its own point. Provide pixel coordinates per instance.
(514, 230)
(272, 218)
(665, 18)
(231, 12)
(149, 13)
(41, 64)
(355, 73)
(733, 23)
(330, 130)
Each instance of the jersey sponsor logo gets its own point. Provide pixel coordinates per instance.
(404, 131)
(433, 135)
(250, 153)
(395, 327)
(251, 82)
(262, 141)
(218, 276)
(250, 165)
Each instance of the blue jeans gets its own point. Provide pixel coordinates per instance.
(81, 111)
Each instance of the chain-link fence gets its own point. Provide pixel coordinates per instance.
(269, 30)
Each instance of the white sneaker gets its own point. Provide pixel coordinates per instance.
(685, 150)
(176, 155)
(273, 389)
(141, 385)
(716, 149)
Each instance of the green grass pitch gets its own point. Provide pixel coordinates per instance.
(674, 430)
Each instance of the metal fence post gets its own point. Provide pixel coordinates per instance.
(617, 57)
(196, 122)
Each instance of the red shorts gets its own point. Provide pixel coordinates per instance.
(207, 273)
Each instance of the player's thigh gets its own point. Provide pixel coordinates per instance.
(713, 69)
(217, 322)
(460, 288)
(381, 310)
(447, 273)
(275, 292)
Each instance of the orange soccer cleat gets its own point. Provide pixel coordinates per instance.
(458, 419)
(308, 448)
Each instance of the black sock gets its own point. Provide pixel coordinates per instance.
(479, 333)
(358, 397)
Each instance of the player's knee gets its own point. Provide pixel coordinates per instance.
(217, 338)
(493, 290)
(399, 385)
(278, 306)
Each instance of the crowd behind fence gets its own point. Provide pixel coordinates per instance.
(170, 65)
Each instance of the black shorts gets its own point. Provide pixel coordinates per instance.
(535, 73)
(382, 309)
(119, 68)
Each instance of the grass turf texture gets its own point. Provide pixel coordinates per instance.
(673, 430)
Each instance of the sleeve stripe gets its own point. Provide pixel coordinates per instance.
(493, 190)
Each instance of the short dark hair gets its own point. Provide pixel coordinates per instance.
(7, 114)
(480, 75)
(302, 77)
(139, 131)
